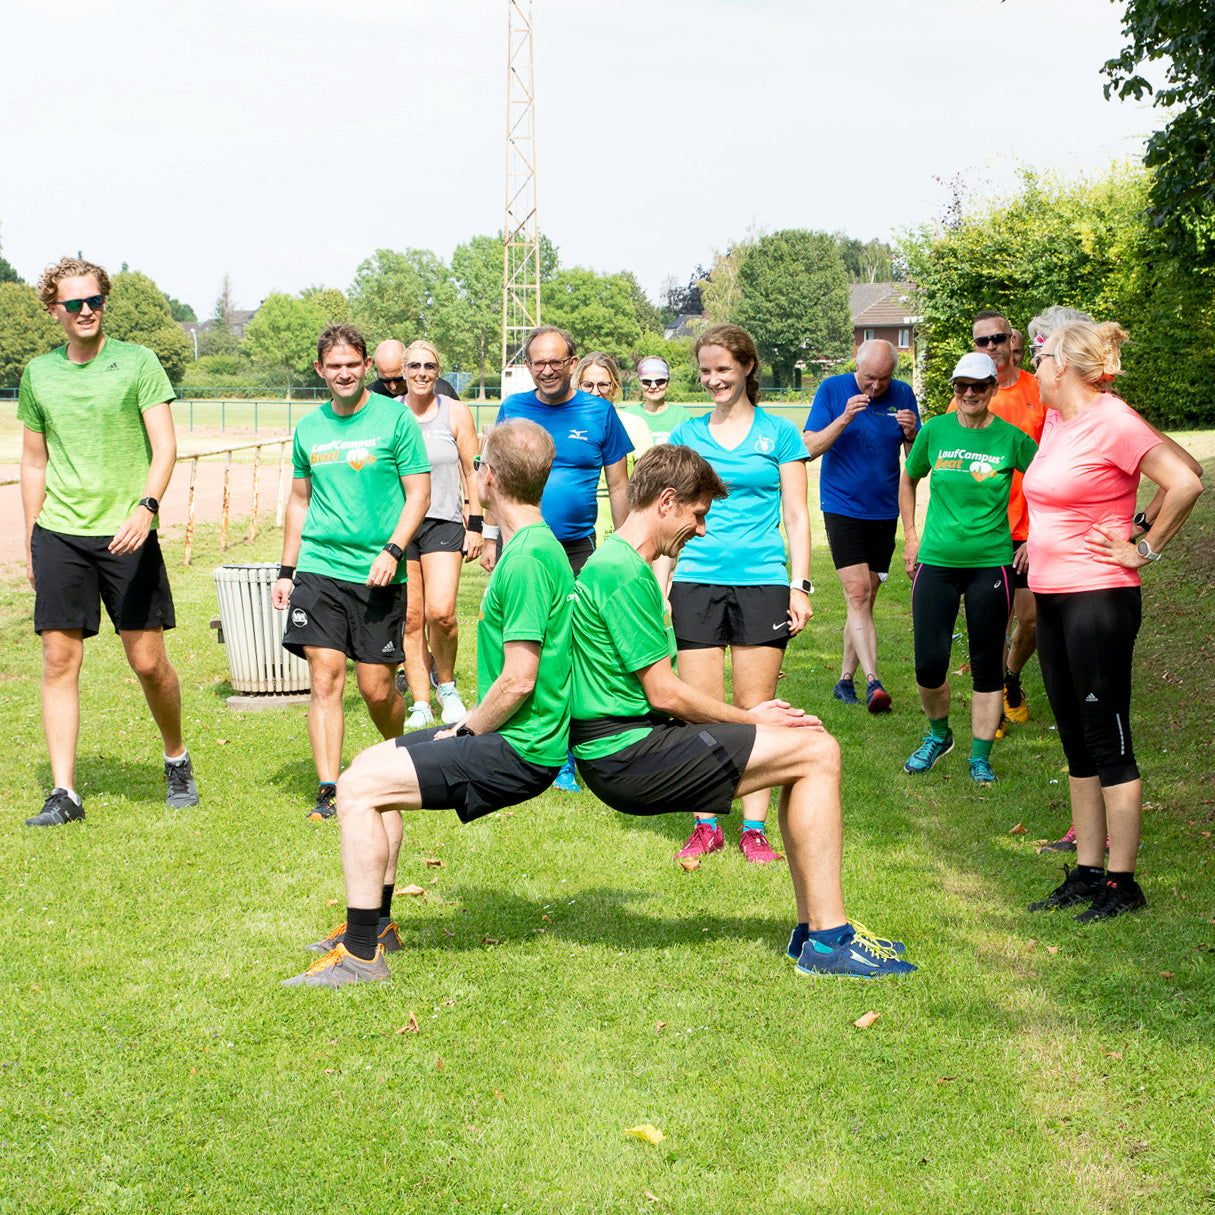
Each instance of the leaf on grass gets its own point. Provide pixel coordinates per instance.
(333, 1071)
(962, 669)
(411, 889)
(223, 742)
(331, 902)
(436, 862)
(447, 932)
(1167, 974)
(439, 1064)
(946, 1079)
(1019, 829)
(492, 941)
(867, 1020)
(1052, 949)
(646, 1133)
(689, 863)
(651, 1197)
(660, 1027)
(1111, 1054)
(1029, 945)
(412, 1026)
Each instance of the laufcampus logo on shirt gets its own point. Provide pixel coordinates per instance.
(764, 445)
(358, 453)
(979, 464)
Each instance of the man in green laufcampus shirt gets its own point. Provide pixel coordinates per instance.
(360, 491)
(509, 746)
(97, 453)
(648, 743)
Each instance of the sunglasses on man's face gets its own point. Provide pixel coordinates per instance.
(996, 339)
(95, 303)
(654, 383)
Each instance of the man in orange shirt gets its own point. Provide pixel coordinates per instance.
(1016, 401)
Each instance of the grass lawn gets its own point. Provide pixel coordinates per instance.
(568, 981)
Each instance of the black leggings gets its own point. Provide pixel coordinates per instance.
(1085, 643)
(935, 596)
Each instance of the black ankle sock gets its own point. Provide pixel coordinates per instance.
(1094, 873)
(386, 901)
(361, 925)
(1123, 879)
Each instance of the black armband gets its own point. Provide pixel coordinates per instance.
(286, 571)
(475, 523)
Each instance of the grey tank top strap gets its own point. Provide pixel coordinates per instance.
(446, 492)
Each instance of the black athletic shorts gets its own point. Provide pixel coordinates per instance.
(705, 616)
(676, 768)
(474, 774)
(435, 536)
(74, 575)
(1020, 581)
(366, 623)
(860, 541)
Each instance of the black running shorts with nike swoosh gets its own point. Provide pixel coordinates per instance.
(705, 616)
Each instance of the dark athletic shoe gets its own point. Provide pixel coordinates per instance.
(326, 805)
(339, 967)
(1066, 844)
(57, 810)
(388, 937)
(877, 699)
(182, 791)
(1074, 889)
(861, 956)
(799, 936)
(845, 690)
(1114, 899)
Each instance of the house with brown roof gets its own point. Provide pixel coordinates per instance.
(885, 311)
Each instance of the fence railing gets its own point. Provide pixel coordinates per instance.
(226, 452)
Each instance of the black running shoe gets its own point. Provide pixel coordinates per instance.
(57, 810)
(1114, 899)
(326, 804)
(1074, 889)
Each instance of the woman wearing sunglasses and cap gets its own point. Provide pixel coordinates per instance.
(966, 551)
(659, 417)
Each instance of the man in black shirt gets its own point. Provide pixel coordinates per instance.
(389, 362)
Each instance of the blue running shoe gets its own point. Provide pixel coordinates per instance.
(845, 690)
(861, 956)
(877, 699)
(981, 773)
(799, 936)
(565, 778)
(930, 750)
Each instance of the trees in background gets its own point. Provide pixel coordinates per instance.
(794, 300)
(26, 330)
(136, 310)
(1089, 244)
(281, 336)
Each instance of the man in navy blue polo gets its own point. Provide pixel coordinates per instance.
(858, 423)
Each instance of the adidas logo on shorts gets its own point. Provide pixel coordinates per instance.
(1091, 699)
(387, 648)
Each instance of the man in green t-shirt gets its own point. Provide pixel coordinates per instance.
(646, 742)
(97, 453)
(509, 746)
(361, 489)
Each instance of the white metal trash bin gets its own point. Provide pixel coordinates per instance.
(252, 630)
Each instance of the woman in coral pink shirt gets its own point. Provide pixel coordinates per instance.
(1084, 572)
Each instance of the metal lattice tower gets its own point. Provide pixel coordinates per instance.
(521, 230)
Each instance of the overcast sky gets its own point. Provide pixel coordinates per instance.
(281, 143)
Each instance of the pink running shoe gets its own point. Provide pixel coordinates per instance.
(755, 847)
(1066, 844)
(703, 840)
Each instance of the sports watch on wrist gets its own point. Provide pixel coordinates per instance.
(802, 584)
(1144, 549)
(394, 550)
(151, 503)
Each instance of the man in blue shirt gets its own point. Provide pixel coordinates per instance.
(858, 423)
(590, 439)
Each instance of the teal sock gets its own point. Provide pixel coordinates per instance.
(711, 823)
(939, 727)
(980, 748)
(753, 824)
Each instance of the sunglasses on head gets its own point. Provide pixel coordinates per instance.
(996, 339)
(654, 383)
(95, 303)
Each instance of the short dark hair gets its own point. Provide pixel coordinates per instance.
(673, 466)
(521, 454)
(571, 347)
(990, 314)
(340, 335)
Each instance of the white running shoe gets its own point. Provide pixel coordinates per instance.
(419, 717)
(453, 706)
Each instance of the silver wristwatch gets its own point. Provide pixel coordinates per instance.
(1144, 549)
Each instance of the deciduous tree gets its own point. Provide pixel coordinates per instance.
(26, 330)
(282, 335)
(136, 310)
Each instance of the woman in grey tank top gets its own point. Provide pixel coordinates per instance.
(446, 538)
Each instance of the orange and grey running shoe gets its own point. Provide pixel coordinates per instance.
(339, 967)
(388, 936)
